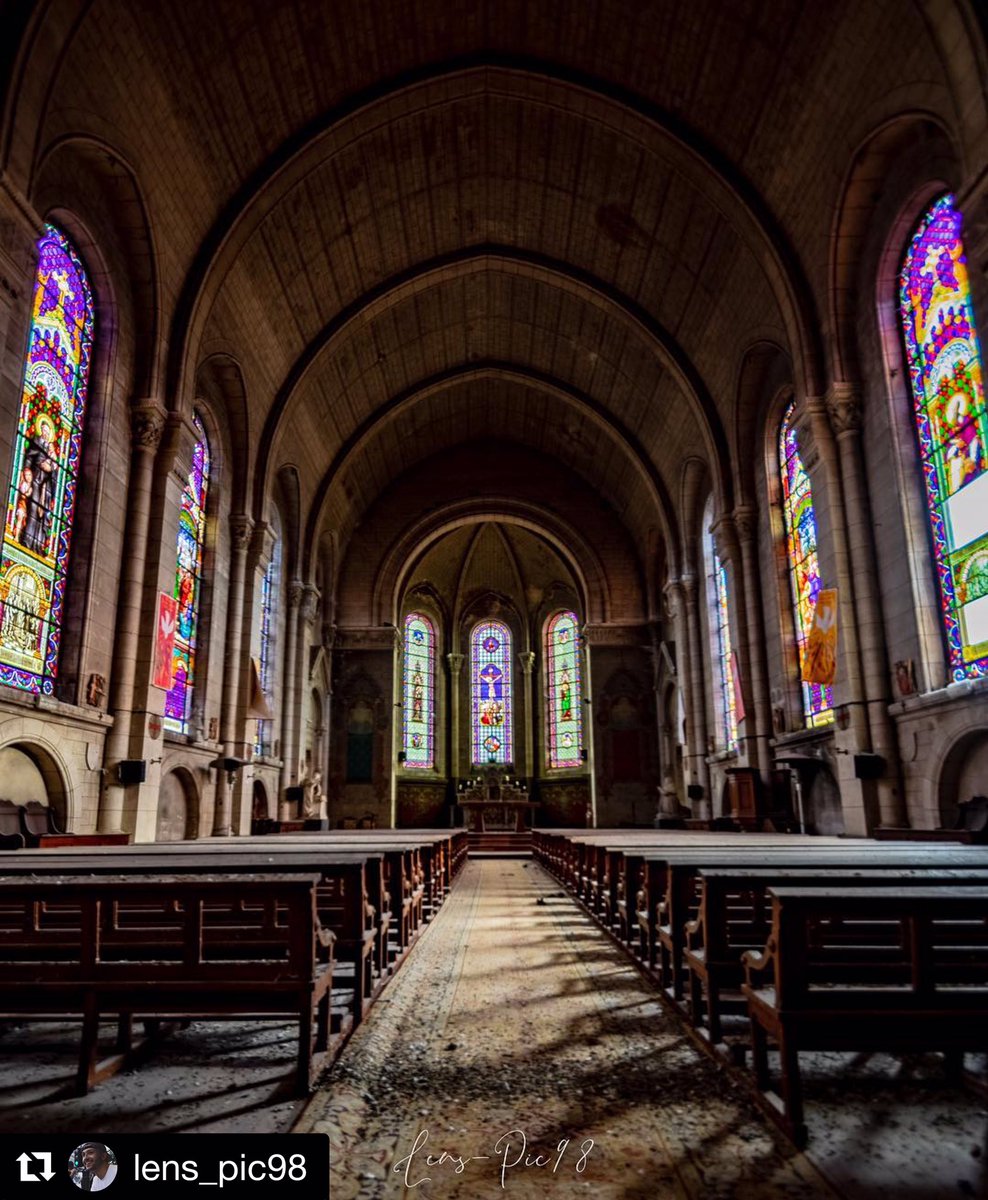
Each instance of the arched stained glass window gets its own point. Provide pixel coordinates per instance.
(188, 585)
(270, 584)
(47, 451)
(490, 687)
(804, 568)
(564, 716)
(419, 692)
(722, 652)
(944, 361)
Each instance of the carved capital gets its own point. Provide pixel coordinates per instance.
(724, 536)
(147, 424)
(296, 591)
(309, 603)
(745, 523)
(527, 660)
(673, 596)
(844, 407)
(810, 420)
(455, 664)
(180, 439)
(241, 527)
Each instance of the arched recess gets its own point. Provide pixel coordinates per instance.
(31, 771)
(107, 198)
(177, 817)
(679, 149)
(638, 470)
(764, 370)
(288, 498)
(399, 559)
(904, 155)
(220, 380)
(963, 774)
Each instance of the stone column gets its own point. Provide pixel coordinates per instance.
(819, 453)
(147, 425)
(750, 616)
(288, 697)
(303, 640)
(240, 530)
(697, 747)
(675, 610)
(454, 662)
(527, 660)
(845, 414)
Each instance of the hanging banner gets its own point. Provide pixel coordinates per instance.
(736, 685)
(164, 641)
(820, 659)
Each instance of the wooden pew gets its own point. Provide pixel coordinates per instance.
(674, 877)
(171, 946)
(926, 1012)
(341, 897)
(734, 916)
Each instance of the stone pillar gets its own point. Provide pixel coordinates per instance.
(675, 610)
(750, 616)
(288, 696)
(697, 745)
(147, 425)
(306, 617)
(844, 404)
(20, 228)
(233, 663)
(818, 449)
(454, 662)
(527, 660)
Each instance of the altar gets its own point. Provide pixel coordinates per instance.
(495, 804)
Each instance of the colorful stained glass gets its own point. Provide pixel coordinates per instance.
(270, 582)
(44, 483)
(188, 586)
(491, 709)
(564, 715)
(419, 692)
(944, 361)
(804, 568)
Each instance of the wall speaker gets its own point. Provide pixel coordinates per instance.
(869, 766)
(132, 770)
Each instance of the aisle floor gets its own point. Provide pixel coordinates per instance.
(517, 1029)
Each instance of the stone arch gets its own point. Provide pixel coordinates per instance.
(962, 773)
(33, 771)
(177, 817)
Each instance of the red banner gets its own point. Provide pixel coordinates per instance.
(164, 641)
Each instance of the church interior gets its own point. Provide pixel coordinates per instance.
(474, 454)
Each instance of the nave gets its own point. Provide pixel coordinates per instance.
(515, 1012)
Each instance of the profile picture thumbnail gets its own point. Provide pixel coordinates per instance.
(92, 1166)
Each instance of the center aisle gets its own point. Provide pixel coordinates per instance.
(516, 1019)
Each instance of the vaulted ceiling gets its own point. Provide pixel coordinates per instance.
(413, 225)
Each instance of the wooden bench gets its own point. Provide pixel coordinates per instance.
(341, 897)
(941, 1004)
(735, 916)
(674, 877)
(170, 946)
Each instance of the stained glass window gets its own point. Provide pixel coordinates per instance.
(490, 687)
(804, 567)
(47, 449)
(944, 361)
(718, 608)
(419, 692)
(188, 586)
(564, 717)
(270, 582)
